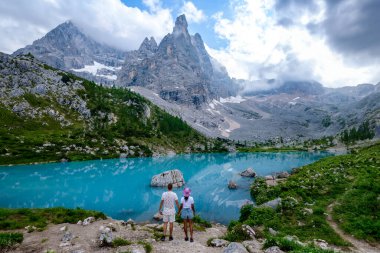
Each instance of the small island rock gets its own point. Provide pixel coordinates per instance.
(248, 173)
(232, 185)
(171, 176)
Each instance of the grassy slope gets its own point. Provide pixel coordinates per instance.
(40, 217)
(351, 181)
(22, 138)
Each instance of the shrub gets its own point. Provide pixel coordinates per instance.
(147, 246)
(120, 242)
(236, 233)
(245, 212)
(8, 240)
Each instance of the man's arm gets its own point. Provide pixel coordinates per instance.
(180, 208)
(176, 202)
(161, 203)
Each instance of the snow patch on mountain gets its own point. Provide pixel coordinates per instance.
(96, 67)
(232, 100)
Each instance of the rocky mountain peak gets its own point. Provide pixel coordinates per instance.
(179, 70)
(67, 48)
(180, 25)
(148, 45)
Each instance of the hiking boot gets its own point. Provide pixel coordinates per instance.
(163, 238)
(170, 238)
(186, 238)
(191, 240)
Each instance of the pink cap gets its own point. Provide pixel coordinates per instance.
(186, 192)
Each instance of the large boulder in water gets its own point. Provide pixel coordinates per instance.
(248, 173)
(171, 176)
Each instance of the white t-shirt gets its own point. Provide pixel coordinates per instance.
(169, 199)
(187, 204)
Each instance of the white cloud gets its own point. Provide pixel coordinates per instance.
(193, 14)
(260, 48)
(107, 21)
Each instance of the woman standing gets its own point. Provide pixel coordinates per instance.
(188, 212)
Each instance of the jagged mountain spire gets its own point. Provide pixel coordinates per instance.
(148, 45)
(179, 70)
(180, 25)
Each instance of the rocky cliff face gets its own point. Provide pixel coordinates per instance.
(48, 115)
(67, 48)
(179, 70)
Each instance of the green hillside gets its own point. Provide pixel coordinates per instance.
(346, 187)
(49, 115)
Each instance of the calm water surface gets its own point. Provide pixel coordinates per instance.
(120, 187)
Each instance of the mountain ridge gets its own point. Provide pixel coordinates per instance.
(178, 70)
(49, 115)
(67, 48)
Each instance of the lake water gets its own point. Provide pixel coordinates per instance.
(120, 187)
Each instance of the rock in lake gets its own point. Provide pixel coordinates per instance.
(171, 176)
(232, 185)
(248, 173)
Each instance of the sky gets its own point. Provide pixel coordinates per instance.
(334, 42)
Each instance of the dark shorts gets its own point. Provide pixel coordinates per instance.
(187, 213)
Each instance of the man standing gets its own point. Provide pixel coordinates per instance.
(167, 200)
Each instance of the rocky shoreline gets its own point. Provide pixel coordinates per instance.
(112, 235)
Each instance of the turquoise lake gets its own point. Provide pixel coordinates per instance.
(120, 187)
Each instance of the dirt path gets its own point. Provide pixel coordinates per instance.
(359, 246)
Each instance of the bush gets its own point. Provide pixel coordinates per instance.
(120, 242)
(235, 232)
(261, 193)
(8, 240)
(245, 212)
(147, 246)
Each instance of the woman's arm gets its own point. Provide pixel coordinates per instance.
(180, 208)
(193, 208)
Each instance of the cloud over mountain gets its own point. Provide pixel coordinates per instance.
(333, 42)
(108, 21)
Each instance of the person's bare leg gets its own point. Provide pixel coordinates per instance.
(165, 225)
(191, 228)
(171, 229)
(185, 227)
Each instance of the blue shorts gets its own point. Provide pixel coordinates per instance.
(187, 213)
